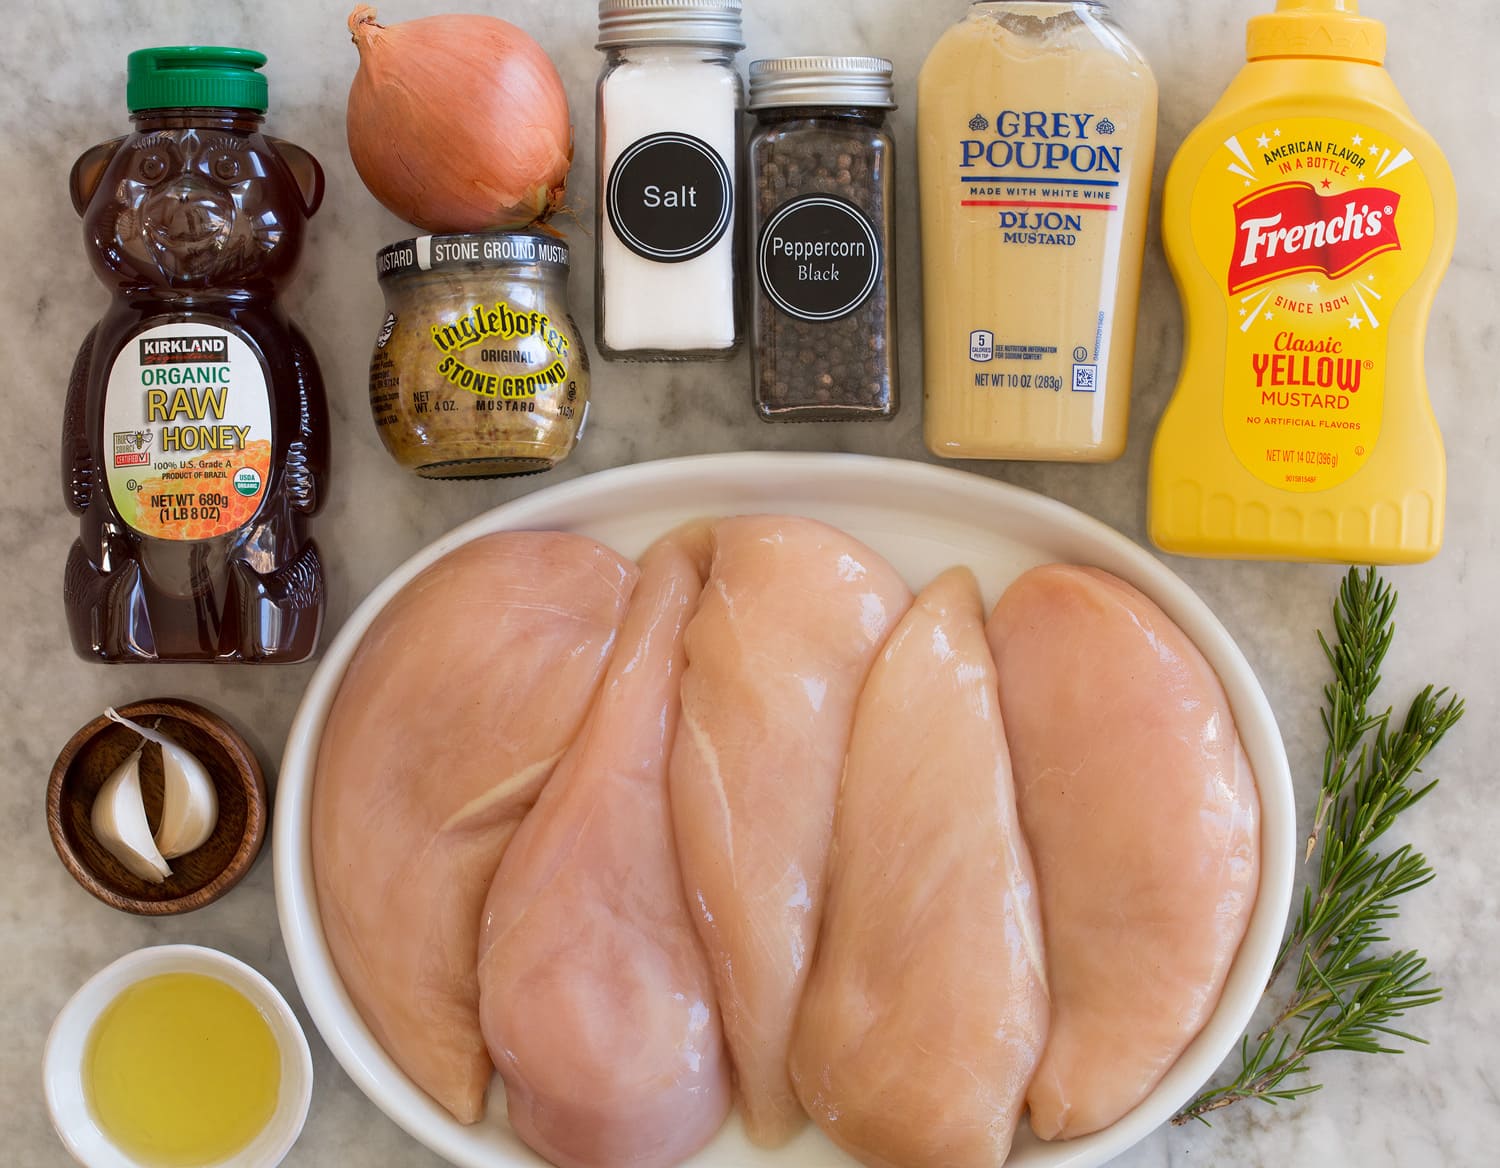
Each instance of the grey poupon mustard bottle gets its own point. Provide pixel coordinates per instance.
(821, 220)
(1036, 131)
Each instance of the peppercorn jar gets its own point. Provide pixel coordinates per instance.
(821, 224)
(670, 112)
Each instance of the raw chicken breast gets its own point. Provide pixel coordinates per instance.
(926, 1010)
(595, 994)
(791, 620)
(1143, 819)
(461, 698)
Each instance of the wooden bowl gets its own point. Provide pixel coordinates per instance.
(201, 876)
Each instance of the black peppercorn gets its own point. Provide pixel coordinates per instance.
(821, 226)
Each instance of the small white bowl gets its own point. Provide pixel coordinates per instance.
(62, 1062)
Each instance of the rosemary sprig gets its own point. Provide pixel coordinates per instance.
(1345, 995)
(1363, 628)
(1353, 881)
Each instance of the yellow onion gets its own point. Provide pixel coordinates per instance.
(458, 123)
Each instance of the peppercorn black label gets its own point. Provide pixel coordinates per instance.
(819, 258)
(670, 197)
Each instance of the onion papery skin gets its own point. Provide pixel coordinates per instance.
(458, 123)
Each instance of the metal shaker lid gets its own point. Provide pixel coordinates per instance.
(814, 81)
(694, 22)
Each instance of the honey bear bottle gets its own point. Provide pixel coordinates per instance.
(195, 442)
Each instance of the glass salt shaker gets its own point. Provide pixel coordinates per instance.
(821, 225)
(670, 107)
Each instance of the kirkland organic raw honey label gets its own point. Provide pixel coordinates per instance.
(187, 431)
(1317, 228)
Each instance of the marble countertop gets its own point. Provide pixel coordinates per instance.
(63, 90)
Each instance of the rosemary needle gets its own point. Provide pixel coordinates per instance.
(1346, 995)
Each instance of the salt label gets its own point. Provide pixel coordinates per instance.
(670, 197)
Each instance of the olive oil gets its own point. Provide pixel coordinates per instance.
(182, 1071)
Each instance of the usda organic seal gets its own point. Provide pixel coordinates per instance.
(247, 481)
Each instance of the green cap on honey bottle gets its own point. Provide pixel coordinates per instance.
(1316, 28)
(201, 76)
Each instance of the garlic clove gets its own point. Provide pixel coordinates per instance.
(190, 805)
(118, 819)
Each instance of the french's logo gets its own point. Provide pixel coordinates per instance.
(1290, 228)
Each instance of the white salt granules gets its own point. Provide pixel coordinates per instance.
(654, 98)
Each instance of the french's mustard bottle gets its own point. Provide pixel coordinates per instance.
(1308, 222)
